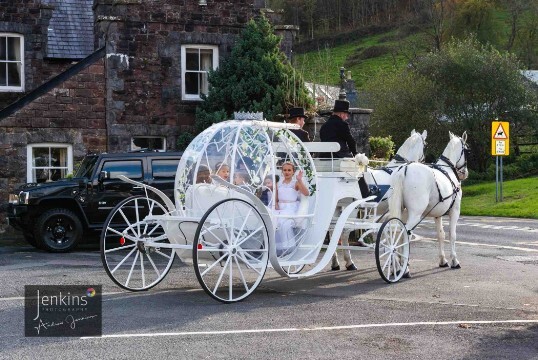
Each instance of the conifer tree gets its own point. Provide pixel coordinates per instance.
(256, 77)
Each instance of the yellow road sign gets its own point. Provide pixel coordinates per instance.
(500, 138)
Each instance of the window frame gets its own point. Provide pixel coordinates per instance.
(136, 148)
(30, 160)
(215, 48)
(6, 88)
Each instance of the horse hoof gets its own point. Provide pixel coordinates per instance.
(335, 268)
(407, 275)
(444, 265)
(351, 267)
(456, 266)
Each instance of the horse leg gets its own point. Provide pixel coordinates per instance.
(441, 241)
(454, 263)
(335, 264)
(412, 221)
(347, 253)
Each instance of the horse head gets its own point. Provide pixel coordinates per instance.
(457, 153)
(412, 150)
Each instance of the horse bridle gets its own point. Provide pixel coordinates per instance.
(455, 168)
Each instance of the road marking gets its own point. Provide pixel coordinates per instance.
(485, 226)
(422, 238)
(320, 328)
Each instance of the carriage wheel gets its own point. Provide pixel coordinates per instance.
(230, 250)
(128, 261)
(392, 250)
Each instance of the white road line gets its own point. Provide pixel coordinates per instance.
(321, 328)
(421, 238)
(485, 226)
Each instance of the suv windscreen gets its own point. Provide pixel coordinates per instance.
(86, 167)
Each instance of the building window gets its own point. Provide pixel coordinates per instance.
(49, 162)
(11, 62)
(196, 61)
(148, 143)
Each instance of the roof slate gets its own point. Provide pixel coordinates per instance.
(70, 33)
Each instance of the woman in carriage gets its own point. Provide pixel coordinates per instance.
(288, 197)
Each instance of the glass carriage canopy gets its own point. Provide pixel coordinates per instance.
(248, 154)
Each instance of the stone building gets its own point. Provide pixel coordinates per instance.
(82, 76)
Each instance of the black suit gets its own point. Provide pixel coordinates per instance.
(337, 130)
(301, 134)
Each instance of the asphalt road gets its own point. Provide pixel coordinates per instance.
(486, 310)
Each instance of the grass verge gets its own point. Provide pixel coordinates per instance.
(520, 199)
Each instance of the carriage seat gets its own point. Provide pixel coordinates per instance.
(200, 197)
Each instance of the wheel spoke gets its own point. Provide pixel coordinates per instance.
(221, 275)
(121, 262)
(132, 268)
(230, 281)
(250, 235)
(244, 224)
(163, 254)
(130, 226)
(213, 265)
(153, 264)
(223, 226)
(250, 265)
(241, 274)
(214, 235)
(120, 248)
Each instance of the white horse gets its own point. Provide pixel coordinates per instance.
(433, 191)
(412, 150)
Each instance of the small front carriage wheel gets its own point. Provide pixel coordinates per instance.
(392, 250)
(57, 230)
(130, 249)
(230, 250)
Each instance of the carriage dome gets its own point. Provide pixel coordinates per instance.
(245, 153)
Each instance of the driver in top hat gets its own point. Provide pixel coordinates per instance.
(297, 116)
(336, 129)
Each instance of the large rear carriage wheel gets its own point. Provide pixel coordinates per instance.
(230, 250)
(392, 250)
(127, 259)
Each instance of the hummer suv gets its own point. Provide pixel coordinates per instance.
(54, 216)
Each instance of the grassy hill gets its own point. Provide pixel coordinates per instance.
(367, 55)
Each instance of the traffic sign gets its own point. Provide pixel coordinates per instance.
(500, 138)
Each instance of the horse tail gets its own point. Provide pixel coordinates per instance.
(396, 199)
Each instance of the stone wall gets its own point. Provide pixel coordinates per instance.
(143, 65)
(358, 122)
(30, 18)
(72, 113)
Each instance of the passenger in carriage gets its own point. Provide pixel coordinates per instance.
(203, 175)
(267, 190)
(288, 192)
(223, 171)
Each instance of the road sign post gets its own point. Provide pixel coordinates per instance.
(500, 146)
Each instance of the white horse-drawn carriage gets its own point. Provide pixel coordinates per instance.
(226, 226)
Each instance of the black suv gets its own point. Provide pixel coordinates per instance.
(53, 216)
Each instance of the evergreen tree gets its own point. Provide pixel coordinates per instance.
(255, 77)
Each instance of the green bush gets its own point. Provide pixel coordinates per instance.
(381, 147)
(514, 167)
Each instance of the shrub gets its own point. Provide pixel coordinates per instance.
(381, 147)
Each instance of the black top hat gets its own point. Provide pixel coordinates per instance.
(341, 106)
(297, 112)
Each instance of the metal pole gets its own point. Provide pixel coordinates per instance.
(501, 178)
(496, 178)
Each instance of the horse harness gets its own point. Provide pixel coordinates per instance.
(456, 170)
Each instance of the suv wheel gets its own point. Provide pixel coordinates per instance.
(58, 230)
